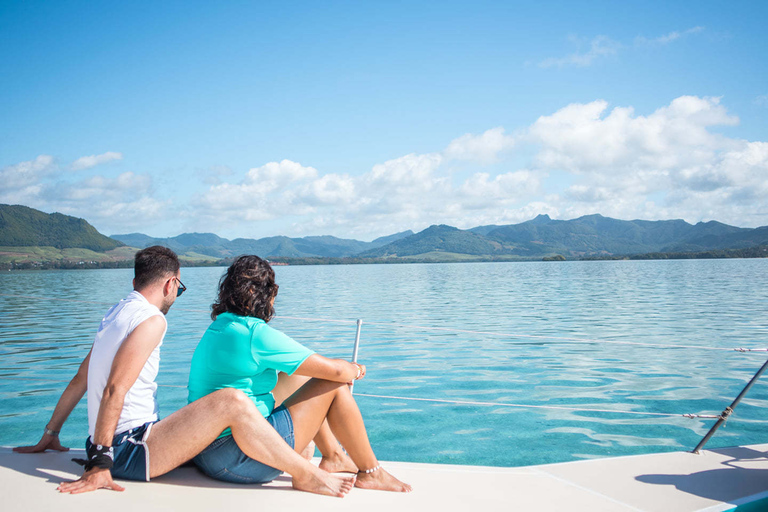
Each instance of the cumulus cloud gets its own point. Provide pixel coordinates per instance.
(25, 174)
(483, 148)
(86, 162)
(582, 138)
(124, 201)
(481, 191)
(599, 47)
(266, 192)
(672, 162)
(668, 164)
(583, 158)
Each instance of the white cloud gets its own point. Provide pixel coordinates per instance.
(580, 138)
(667, 38)
(25, 174)
(483, 148)
(86, 162)
(586, 158)
(124, 201)
(331, 189)
(481, 191)
(762, 100)
(669, 164)
(266, 192)
(599, 47)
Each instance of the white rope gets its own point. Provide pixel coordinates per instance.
(529, 406)
(558, 339)
(445, 401)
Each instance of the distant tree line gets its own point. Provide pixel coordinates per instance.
(752, 252)
(761, 251)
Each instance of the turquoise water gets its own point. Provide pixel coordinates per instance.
(48, 319)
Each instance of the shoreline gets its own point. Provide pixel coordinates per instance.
(760, 251)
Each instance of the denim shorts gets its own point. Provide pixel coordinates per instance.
(131, 453)
(223, 459)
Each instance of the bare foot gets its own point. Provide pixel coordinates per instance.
(338, 462)
(382, 481)
(320, 482)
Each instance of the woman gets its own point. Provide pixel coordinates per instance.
(239, 350)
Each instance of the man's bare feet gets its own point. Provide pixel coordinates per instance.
(382, 481)
(338, 462)
(321, 482)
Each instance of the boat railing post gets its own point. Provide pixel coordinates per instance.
(729, 410)
(356, 348)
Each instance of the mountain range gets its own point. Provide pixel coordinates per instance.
(212, 245)
(587, 236)
(591, 235)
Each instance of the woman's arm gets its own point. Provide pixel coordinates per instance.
(336, 370)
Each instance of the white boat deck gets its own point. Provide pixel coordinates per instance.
(679, 481)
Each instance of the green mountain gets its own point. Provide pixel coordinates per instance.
(440, 238)
(591, 235)
(597, 235)
(270, 247)
(21, 226)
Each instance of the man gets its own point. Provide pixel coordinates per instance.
(126, 439)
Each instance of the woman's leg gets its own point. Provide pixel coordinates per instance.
(334, 459)
(319, 400)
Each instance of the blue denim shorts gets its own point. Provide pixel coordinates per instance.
(223, 459)
(131, 453)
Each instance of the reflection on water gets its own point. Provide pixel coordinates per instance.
(49, 318)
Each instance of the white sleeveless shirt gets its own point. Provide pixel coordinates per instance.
(140, 404)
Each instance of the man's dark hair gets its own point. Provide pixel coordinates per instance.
(154, 263)
(247, 289)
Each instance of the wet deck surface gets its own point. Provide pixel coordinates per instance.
(679, 481)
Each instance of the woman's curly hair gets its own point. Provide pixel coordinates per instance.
(247, 289)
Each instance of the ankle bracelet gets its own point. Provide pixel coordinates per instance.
(369, 471)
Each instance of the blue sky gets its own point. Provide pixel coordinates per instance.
(361, 119)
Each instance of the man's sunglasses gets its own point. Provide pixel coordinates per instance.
(181, 289)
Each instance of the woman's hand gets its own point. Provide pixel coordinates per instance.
(336, 370)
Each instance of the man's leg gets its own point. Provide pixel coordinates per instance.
(185, 433)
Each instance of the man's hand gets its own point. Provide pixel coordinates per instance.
(47, 442)
(96, 478)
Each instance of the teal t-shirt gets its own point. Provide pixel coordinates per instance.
(244, 353)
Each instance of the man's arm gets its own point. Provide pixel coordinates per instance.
(126, 367)
(69, 399)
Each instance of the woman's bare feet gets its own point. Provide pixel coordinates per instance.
(338, 462)
(382, 481)
(321, 482)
